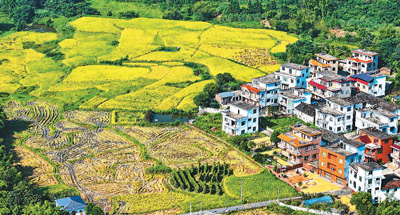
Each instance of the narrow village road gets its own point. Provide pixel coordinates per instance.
(238, 207)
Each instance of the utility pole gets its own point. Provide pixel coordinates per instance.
(278, 195)
(241, 190)
(170, 197)
(104, 209)
(201, 206)
(190, 208)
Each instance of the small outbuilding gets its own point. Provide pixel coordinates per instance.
(74, 205)
(224, 98)
(324, 199)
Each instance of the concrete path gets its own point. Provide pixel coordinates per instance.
(238, 207)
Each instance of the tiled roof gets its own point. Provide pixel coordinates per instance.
(315, 84)
(364, 77)
(365, 139)
(329, 136)
(359, 60)
(267, 79)
(358, 97)
(308, 109)
(250, 88)
(338, 101)
(390, 181)
(376, 133)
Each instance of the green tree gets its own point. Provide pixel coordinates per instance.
(204, 10)
(224, 78)
(92, 209)
(274, 137)
(363, 203)
(46, 208)
(388, 207)
(22, 16)
(211, 89)
(202, 100)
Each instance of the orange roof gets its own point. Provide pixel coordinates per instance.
(359, 60)
(316, 63)
(251, 88)
(293, 142)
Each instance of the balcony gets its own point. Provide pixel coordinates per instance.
(371, 155)
(282, 145)
(372, 146)
(294, 152)
(395, 155)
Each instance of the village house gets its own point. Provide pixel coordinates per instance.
(371, 83)
(224, 98)
(241, 118)
(377, 117)
(366, 177)
(292, 75)
(330, 138)
(361, 99)
(385, 71)
(323, 62)
(291, 98)
(362, 61)
(334, 159)
(335, 116)
(395, 155)
(74, 205)
(306, 112)
(378, 145)
(301, 144)
(327, 84)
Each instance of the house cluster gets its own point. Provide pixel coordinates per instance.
(337, 96)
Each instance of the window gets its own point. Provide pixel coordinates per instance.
(369, 190)
(249, 120)
(359, 158)
(339, 128)
(243, 122)
(369, 181)
(254, 111)
(380, 151)
(386, 141)
(314, 156)
(348, 117)
(291, 81)
(349, 109)
(354, 184)
(352, 160)
(359, 188)
(315, 146)
(370, 173)
(254, 128)
(323, 164)
(340, 161)
(340, 171)
(255, 119)
(298, 80)
(306, 149)
(290, 71)
(243, 131)
(306, 158)
(323, 154)
(359, 178)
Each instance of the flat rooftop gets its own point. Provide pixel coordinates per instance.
(294, 66)
(267, 79)
(326, 56)
(367, 166)
(376, 133)
(244, 105)
(338, 101)
(337, 149)
(305, 129)
(365, 52)
(380, 111)
(330, 111)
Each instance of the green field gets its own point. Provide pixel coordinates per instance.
(84, 97)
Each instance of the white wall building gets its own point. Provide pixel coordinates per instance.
(366, 177)
(323, 62)
(362, 61)
(293, 75)
(335, 116)
(377, 117)
(241, 118)
(374, 84)
(289, 99)
(327, 84)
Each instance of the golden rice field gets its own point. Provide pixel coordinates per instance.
(152, 61)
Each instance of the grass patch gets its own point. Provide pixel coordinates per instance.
(259, 187)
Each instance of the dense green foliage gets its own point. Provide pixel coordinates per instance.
(25, 11)
(201, 179)
(363, 203)
(17, 196)
(92, 209)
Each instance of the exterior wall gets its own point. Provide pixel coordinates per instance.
(382, 155)
(303, 116)
(389, 126)
(248, 124)
(270, 96)
(297, 78)
(361, 180)
(329, 165)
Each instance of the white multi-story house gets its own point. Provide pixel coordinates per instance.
(336, 115)
(291, 98)
(292, 75)
(371, 83)
(327, 84)
(366, 177)
(377, 117)
(306, 112)
(323, 62)
(268, 87)
(241, 118)
(395, 155)
(362, 61)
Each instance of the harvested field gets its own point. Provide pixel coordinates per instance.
(88, 117)
(148, 135)
(48, 143)
(241, 165)
(40, 172)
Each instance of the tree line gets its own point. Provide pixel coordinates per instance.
(201, 179)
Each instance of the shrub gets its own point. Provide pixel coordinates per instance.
(158, 169)
(128, 14)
